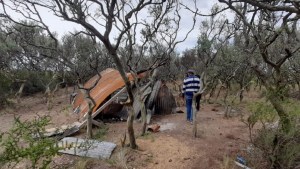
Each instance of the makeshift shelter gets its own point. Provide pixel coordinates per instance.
(110, 91)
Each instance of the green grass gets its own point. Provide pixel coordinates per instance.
(148, 136)
(101, 133)
(112, 162)
(83, 163)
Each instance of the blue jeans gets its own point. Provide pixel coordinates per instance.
(189, 107)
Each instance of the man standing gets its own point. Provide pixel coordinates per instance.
(191, 85)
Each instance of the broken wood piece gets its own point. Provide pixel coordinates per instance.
(97, 123)
(86, 148)
(153, 128)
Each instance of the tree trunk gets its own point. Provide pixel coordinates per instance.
(285, 121)
(143, 109)
(89, 124)
(130, 128)
(226, 94)
(48, 96)
(221, 87)
(241, 94)
(66, 89)
(89, 119)
(91, 104)
(114, 55)
(144, 120)
(298, 83)
(20, 92)
(139, 94)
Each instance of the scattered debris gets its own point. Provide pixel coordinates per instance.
(153, 128)
(241, 165)
(230, 136)
(110, 82)
(178, 110)
(250, 149)
(167, 126)
(149, 155)
(186, 158)
(86, 148)
(157, 97)
(241, 160)
(273, 125)
(220, 113)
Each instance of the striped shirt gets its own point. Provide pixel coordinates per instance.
(191, 85)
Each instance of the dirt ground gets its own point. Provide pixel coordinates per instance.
(172, 147)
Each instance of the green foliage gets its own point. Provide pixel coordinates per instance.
(281, 148)
(293, 107)
(148, 136)
(4, 89)
(279, 92)
(35, 81)
(261, 112)
(112, 162)
(25, 141)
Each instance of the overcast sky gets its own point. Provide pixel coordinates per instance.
(62, 27)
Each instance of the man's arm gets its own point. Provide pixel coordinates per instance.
(200, 85)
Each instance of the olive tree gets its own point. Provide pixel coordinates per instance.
(262, 24)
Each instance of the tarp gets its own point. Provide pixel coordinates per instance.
(110, 82)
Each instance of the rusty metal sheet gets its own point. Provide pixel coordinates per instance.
(110, 81)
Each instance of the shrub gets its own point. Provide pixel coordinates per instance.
(282, 149)
(4, 89)
(21, 143)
